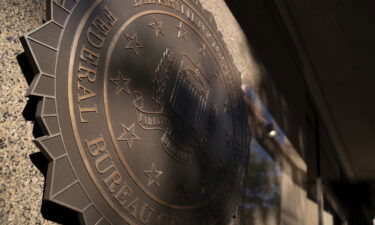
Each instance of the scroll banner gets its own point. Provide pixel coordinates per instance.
(160, 121)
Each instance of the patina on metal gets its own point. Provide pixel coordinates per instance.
(141, 110)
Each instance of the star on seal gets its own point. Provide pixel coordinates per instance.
(181, 31)
(156, 26)
(128, 135)
(153, 175)
(133, 43)
(121, 82)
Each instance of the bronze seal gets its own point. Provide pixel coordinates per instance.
(141, 110)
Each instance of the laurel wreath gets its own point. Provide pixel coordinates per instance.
(160, 80)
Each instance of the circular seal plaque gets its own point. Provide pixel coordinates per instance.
(141, 111)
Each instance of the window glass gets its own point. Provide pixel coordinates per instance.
(262, 194)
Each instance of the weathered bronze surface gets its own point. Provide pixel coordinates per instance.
(142, 112)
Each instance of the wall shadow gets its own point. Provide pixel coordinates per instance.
(281, 87)
(49, 210)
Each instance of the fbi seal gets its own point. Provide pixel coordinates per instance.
(141, 111)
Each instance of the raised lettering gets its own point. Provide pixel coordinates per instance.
(137, 3)
(168, 3)
(149, 2)
(86, 72)
(111, 18)
(86, 110)
(132, 208)
(103, 27)
(88, 55)
(95, 39)
(101, 160)
(113, 180)
(145, 214)
(164, 219)
(96, 146)
(84, 93)
(123, 194)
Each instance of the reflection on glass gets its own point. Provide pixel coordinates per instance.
(262, 200)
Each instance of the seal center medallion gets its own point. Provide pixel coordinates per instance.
(165, 109)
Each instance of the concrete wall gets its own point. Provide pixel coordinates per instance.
(311, 217)
(21, 184)
(293, 202)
